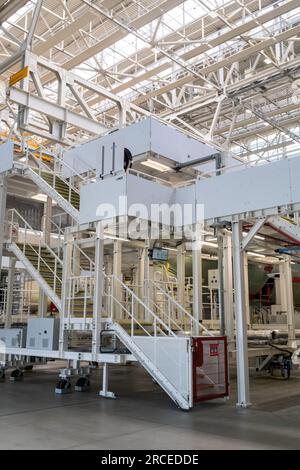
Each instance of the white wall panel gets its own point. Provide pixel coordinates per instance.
(6, 156)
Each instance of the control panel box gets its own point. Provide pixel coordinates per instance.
(213, 278)
(13, 337)
(43, 333)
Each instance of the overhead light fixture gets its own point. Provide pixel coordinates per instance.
(155, 165)
(267, 61)
(257, 255)
(213, 245)
(40, 197)
(113, 237)
(259, 237)
(212, 239)
(22, 159)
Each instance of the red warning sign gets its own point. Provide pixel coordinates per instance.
(214, 349)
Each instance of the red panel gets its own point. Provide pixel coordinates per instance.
(210, 368)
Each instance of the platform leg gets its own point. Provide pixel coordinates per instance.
(104, 392)
(240, 318)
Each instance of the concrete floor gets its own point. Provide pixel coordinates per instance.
(33, 417)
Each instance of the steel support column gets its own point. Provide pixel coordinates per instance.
(117, 271)
(240, 317)
(221, 279)
(228, 290)
(181, 273)
(3, 194)
(10, 291)
(65, 293)
(288, 283)
(98, 293)
(46, 226)
(141, 276)
(246, 275)
(197, 278)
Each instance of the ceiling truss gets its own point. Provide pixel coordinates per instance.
(227, 72)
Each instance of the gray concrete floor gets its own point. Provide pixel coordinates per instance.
(143, 417)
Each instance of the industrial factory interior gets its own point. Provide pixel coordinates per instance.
(149, 225)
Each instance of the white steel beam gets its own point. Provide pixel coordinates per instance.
(55, 111)
(97, 305)
(181, 274)
(240, 318)
(197, 279)
(34, 21)
(252, 232)
(228, 290)
(10, 291)
(287, 279)
(3, 195)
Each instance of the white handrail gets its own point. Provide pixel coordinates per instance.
(180, 307)
(157, 321)
(14, 211)
(37, 249)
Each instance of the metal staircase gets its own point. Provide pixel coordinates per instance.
(156, 340)
(286, 227)
(159, 339)
(139, 352)
(51, 178)
(39, 259)
(61, 191)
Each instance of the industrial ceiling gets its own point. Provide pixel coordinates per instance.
(227, 72)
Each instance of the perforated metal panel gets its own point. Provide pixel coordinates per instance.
(210, 368)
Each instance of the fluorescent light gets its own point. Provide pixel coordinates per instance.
(259, 237)
(257, 255)
(113, 237)
(212, 239)
(214, 245)
(155, 165)
(267, 61)
(40, 197)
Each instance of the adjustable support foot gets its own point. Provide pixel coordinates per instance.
(243, 405)
(104, 392)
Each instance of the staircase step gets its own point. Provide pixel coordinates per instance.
(61, 187)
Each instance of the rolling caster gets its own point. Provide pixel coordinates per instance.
(16, 375)
(63, 387)
(83, 384)
(2, 375)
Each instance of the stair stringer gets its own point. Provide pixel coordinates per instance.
(51, 192)
(13, 248)
(157, 375)
(285, 227)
